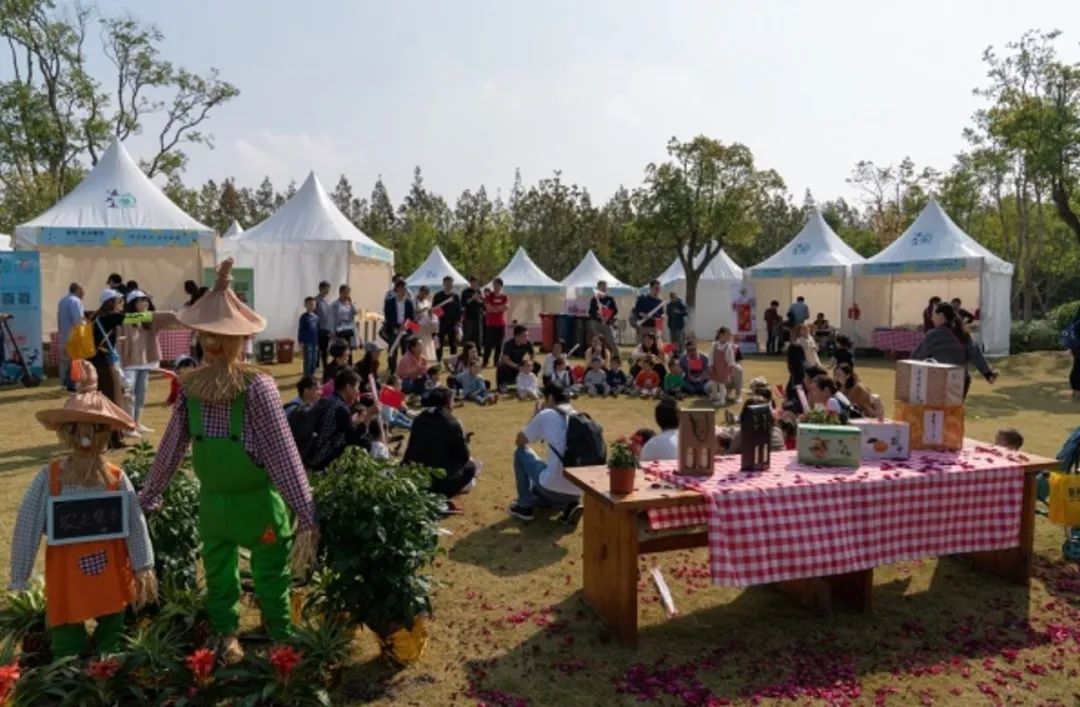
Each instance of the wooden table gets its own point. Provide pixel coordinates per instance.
(612, 547)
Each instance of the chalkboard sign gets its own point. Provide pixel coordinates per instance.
(87, 517)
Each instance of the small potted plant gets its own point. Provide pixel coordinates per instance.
(622, 467)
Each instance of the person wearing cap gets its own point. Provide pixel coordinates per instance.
(90, 578)
(106, 324)
(230, 413)
(140, 352)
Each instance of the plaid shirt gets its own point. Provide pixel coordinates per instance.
(30, 526)
(267, 440)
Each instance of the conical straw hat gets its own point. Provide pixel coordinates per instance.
(220, 311)
(88, 405)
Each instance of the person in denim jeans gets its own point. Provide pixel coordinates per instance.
(308, 336)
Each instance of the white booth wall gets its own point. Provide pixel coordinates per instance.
(830, 296)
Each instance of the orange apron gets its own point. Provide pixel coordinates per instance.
(90, 579)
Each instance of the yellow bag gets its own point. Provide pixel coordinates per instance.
(80, 342)
(1064, 498)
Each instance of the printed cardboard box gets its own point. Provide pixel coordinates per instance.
(885, 439)
(932, 427)
(927, 383)
(829, 445)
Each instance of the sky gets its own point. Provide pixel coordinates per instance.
(470, 90)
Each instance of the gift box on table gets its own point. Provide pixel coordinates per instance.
(933, 427)
(884, 439)
(829, 445)
(929, 383)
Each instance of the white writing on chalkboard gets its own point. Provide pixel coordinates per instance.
(87, 517)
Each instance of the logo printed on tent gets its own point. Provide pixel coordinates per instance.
(801, 248)
(921, 238)
(115, 200)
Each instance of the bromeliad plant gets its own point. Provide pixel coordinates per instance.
(174, 528)
(22, 622)
(378, 533)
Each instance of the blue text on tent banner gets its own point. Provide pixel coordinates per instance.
(943, 265)
(808, 271)
(117, 237)
(20, 296)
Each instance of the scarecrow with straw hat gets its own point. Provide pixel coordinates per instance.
(88, 577)
(249, 470)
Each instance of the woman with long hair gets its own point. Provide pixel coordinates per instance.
(106, 324)
(847, 381)
(598, 349)
(949, 342)
(648, 349)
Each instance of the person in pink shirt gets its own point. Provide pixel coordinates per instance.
(412, 369)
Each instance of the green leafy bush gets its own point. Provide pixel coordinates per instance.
(174, 528)
(1061, 315)
(1038, 335)
(378, 532)
(621, 456)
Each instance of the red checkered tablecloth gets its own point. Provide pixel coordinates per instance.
(895, 339)
(174, 343)
(795, 521)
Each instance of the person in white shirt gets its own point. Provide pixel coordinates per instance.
(539, 482)
(343, 314)
(527, 385)
(666, 444)
(69, 313)
(549, 361)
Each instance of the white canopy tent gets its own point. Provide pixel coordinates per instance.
(432, 271)
(815, 264)
(304, 242)
(5, 242)
(531, 290)
(934, 257)
(580, 285)
(713, 308)
(234, 230)
(116, 220)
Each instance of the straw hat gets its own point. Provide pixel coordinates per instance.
(220, 311)
(88, 405)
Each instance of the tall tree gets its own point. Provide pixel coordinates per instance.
(379, 221)
(230, 207)
(57, 116)
(342, 197)
(264, 201)
(702, 199)
(893, 195)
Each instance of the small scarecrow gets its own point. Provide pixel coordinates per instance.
(249, 470)
(105, 565)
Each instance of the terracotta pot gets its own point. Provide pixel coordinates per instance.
(622, 480)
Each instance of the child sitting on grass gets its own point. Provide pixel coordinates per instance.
(474, 387)
(647, 383)
(560, 375)
(617, 381)
(528, 387)
(339, 361)
(673, 381)
(548, 369)
(393, 404)
(596, 378)
(1010, 438)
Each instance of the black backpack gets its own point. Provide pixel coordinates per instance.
(584, 441)
(304, 423)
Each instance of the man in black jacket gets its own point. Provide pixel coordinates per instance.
(449, 304)
(438, 440)
(602, 311)
(472, 303)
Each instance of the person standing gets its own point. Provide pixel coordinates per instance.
(798, 312)
(140, 352)
(949, 342)
(343, 314)
(472, 305)
(928, 314)
(396, 311)
(602, 312)
(322, 311)
(69, 313)
(647, 310)
(677, 313)
(307, 335)
(773, 328)
(448, 309)
(496, 305)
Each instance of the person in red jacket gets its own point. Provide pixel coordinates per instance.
(496, 305)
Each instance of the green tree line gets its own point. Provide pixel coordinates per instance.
(1013, 188)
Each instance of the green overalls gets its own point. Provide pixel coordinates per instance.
(238, 507)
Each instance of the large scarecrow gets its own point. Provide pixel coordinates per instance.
(97, 562)
(249, 471)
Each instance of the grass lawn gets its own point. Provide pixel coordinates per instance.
(510, 623)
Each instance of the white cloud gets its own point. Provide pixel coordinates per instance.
(285, 156)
